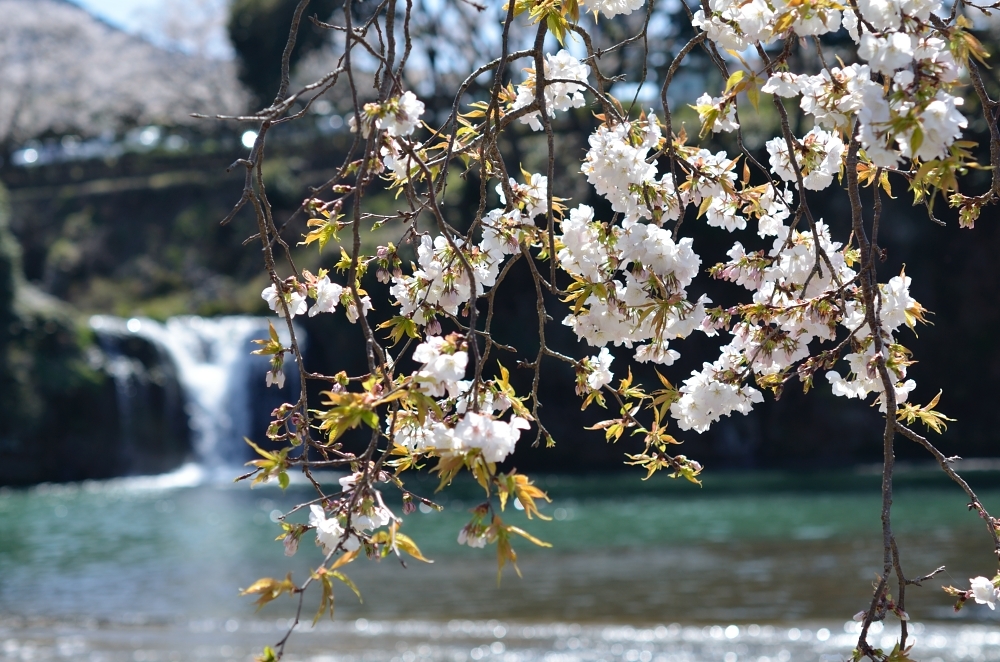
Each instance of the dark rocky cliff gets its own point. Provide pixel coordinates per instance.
(59, 414)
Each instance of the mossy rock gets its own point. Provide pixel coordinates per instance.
(59, 418)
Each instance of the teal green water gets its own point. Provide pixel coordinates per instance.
(623, 551)
(751, 568)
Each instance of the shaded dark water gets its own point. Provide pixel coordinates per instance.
(148, 569)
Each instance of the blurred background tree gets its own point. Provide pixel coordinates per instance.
(258, 30)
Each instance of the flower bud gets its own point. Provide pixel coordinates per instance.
(291, 545)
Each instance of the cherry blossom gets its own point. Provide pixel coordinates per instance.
(443, 362)
(330, 532)
(818, 157)
(327, 296)
(559, 96)
(984, 592)
(600, 370)
(295, 300)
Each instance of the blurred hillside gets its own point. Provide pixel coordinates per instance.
(64, 72)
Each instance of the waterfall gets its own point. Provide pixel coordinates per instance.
(216, 371)
(129, 376)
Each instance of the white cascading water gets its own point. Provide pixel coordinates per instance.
(213, 362)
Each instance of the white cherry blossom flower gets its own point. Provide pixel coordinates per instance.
(327, 296)
(295, 301)
(818, 155)
(726, 112)
(352, 309)
(531, 197)
(882, 14)
(559, 96)
(475, 538)
(376, 515)
(329, 532)
(784, 84)
(442, 363)
(887, 53)
(612, 8)
(275, 377)
(495, 439)
(600, 370)
(406, 116)
(941, 124)
(984, 592)
(656, 352)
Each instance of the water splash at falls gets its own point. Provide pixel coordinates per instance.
(221, 381)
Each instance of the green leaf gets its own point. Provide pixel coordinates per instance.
(527, 536)
(324, 232)
(753, 95)
(405, 543)
(350, 584)
(268, 589)
(734, 79)
(705, 204)
(916, 140)
(555, 25)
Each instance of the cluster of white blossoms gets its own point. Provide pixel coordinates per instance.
(599, 372)
(481, 432)
(725, 111)
(444, 365)
(616, 166)
(530, 198)
(919, 117)
(736, 25)
(778, 280)
(328, 296)
(612, 8)
(804, 307)
(914, 116)
(705, 398)
(633, 277)
(831, 97)
(558, 96)
(399, 116)
(369, 513)
(441, 283)
(817, 156)
(625, 272)
(897, 308)
(460, 428)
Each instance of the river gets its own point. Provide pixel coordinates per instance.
(761, 567)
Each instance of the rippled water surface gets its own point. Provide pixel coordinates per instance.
(149, 569)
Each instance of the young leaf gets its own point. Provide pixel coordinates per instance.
(269, 589)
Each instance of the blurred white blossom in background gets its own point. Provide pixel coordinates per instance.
(64, 71)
